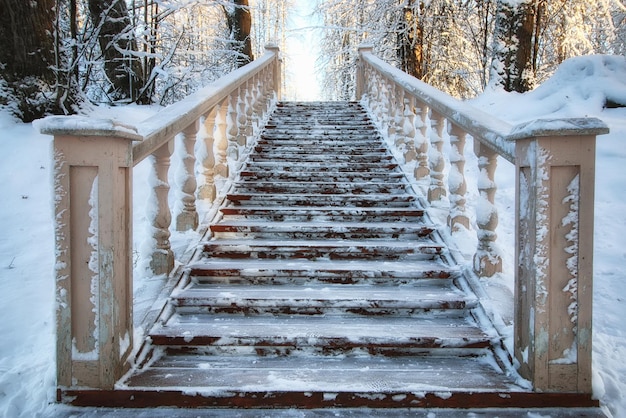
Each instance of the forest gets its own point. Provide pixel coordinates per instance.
(59, 56)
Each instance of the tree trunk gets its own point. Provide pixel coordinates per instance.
(240, 23)
(411, 40)
(27, 57)
(511, 66)
(117, 44)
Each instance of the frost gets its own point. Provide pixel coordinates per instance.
(94, 258)
(330, 396)
(124, 344)
(525, 355)
(570, 355)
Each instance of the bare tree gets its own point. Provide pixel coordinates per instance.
(513, 45)
(27, 57)
(239, 22)
(118, 46)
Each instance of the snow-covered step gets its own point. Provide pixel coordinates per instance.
(307, 272)
(314, 158)
(320, 331)
(332, 166)
(351, 200)
(334, 230)
(323, 214)
(331, 249)
(319, 140)
(354, 176)
(344, 149)
(353, 380)
(426, 301)
(298, 187)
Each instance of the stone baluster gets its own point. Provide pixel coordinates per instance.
(221, 140)
(422, 167)
(232, 131)
(188, 216)
(437, 188)
(374, 98)
(391, 110)
(257, 105)
(397, 118)
(408, 129)
(383, 108)
(248, 102)
(206, 155)
(241, 120)
(162, 258)
(457, 185)
(367, 86)
(487, 260)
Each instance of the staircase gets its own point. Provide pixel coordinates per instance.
(323, 283)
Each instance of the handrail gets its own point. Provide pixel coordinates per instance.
(555, 176)
(495, 133)
(94, 160)
(151, 133)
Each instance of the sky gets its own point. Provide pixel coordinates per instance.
(301, 53)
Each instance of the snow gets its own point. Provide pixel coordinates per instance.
(27, 347)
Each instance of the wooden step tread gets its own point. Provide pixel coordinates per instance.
(338, 332)
(326, 244)
(313, 183)
(219, 375)
(322, 210)
(339, 296)
(316, 198)
(347, 176)
(251, 226)
(355, 271)
(321, 165)
(395, 190)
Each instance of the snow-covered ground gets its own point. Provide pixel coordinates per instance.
(27, 381)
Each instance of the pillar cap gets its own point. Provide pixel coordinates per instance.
(558, 127)
(85, 126)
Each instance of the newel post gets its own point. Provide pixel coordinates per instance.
(93, 219)
(360, 71)
(277, 81)
(555, 174)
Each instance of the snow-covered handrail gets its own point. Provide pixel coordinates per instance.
(555, 175)
(94, 162)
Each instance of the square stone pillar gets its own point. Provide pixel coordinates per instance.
(93, 239)
(555, 175)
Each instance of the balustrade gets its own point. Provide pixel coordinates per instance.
(554, 162)
(93, 185)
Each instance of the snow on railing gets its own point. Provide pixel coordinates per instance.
(93, 175)
(555, 166)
